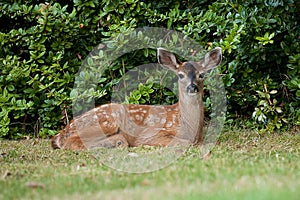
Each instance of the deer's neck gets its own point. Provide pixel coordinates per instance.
(191, 117)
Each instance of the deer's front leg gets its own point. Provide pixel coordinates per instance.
(161, 138)
(75, 142)
(117, 140)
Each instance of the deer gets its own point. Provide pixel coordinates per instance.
(128, 125)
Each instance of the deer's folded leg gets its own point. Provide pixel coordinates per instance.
(75, 142)
(117, 140)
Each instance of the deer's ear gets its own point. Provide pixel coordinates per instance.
(212, 59)
(167, 59)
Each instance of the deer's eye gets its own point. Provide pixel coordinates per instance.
(201, 75)
(181, 76)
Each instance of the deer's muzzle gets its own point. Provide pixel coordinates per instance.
(192, 89)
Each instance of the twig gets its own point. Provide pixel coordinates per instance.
(266, 91)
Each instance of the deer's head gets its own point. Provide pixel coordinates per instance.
(190, 74)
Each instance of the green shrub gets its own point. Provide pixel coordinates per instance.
(44, 44)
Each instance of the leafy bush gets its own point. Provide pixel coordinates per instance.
(44, 44)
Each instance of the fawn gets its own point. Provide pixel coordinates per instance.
(119, 125)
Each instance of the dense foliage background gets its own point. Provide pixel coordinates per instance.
(44, 44)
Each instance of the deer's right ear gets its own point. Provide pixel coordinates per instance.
(167, 59)
(212, 59)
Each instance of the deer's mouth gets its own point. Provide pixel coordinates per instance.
(192, 94)
(192, 90)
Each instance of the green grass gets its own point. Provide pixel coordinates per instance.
(244, 165)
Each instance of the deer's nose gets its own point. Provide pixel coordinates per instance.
(192, 88)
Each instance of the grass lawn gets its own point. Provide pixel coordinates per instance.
(244, 165)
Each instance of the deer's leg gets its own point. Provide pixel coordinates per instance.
(84, 138)
(162, 138)
(117, 140)
(67, 139)
(73, 143)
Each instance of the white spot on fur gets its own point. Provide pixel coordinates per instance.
(133, 111)
(151, 120)
(169, 124)
(174, 118)
(105, 123)
(114, 115)
(139, 117)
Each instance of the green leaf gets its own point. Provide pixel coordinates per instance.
(298, 93)
(278, 109)
(11, 88)
(4, 93)
(90, 61)
(101, 54)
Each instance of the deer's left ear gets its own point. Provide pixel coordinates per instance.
(167, 59)
(212, 59)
